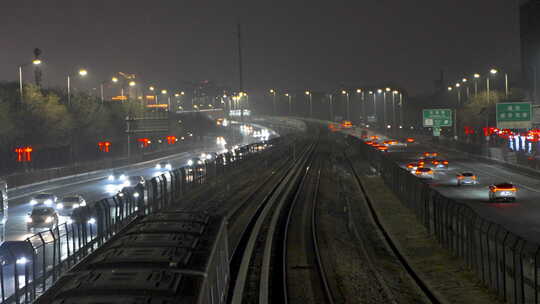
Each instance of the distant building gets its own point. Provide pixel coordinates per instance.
(530, 46)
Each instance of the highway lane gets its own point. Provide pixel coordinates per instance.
(521, 217)
(94, 189)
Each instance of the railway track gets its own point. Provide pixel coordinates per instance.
(304, 274)
(255, 251)
(422, 286)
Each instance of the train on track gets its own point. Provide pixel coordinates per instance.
(165, 257)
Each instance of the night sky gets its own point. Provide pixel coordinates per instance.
(294, 45)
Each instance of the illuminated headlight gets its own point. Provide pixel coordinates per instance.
(168, 167)
(92, 221)
(136, 194)
(190, 162)
(33, 202)
(28, 219)
(21, 261)
(59, 206)
(209, 156)
(49, 219)
(121, 194)
(48, 202)
(203, 155)
(122, 177)
(76, 206)
(83, 204)
(199, 162)
(111, 177)
(158, 166)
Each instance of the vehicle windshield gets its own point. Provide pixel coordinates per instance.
(43, 196)
(467, 174)
(424, 169)
(42, 211)
(70, 199)
(504, 186)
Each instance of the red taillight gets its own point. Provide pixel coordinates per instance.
(445, 162)
(435, 162)
(460, 177)
(410, 140)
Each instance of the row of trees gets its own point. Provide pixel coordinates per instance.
(44, 119)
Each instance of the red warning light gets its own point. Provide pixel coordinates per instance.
(104, 146)
(171, 140)
(24, 154)
(145, 142)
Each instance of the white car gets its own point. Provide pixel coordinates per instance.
(117, 177)
(70, 202)
(502, 191)
(164, 166)
(424, 173)
(44, 199)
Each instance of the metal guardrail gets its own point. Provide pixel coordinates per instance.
(48, 254)
(502, 260)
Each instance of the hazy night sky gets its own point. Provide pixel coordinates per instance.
(287, 44)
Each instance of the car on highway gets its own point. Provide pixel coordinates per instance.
(440, 163)
(117, 177)
(193, 162)
(410, 140)
(502, 192)
(68, 203)
(382, 148)
(133, 181)
(44, 199)
(466, 178)
(424, 173)
(164, 165)
(429, 155)
(413, 166)
(41, 217)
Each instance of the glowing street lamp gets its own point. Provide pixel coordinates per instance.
(345, 93)
(290, 103)
(151, 88)
(308, 93)
(449, 88)
(163, 92)
(82, 73)
(132, 83)
(114, 79)
(35, 62)
(273, 92)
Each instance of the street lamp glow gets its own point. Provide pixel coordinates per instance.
(163, 91)
(370, 92)
(83, 72)
(493, 71)
(358, 91)
(395, 92)
(114, 79)
(476, 75)
(464, 80)
(36, 61)
(224, 95)
(308, 93)
(457, 85)
(151, 88)
(449, 88)
(287, 94)
(272, 91)
(176, 95)
(343, 92)
(182, 93)
(379, 91)
(132, 83)
(388, 89)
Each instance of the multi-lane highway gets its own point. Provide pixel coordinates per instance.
(94, 189)
(521, 217)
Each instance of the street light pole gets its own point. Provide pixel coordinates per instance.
(69, 90)
(331, 97)
(21, 84)
(273, 92)
(308, 93)
(506, 84)
(343, 92)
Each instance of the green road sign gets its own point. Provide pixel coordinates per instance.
(436, 131)
(437, 117)
(514, 115)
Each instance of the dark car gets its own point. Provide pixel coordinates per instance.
(70, 202)
(42, 217)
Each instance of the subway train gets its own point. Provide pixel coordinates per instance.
(164, 257)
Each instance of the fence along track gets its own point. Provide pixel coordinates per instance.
(246, 252)
(417, 280)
